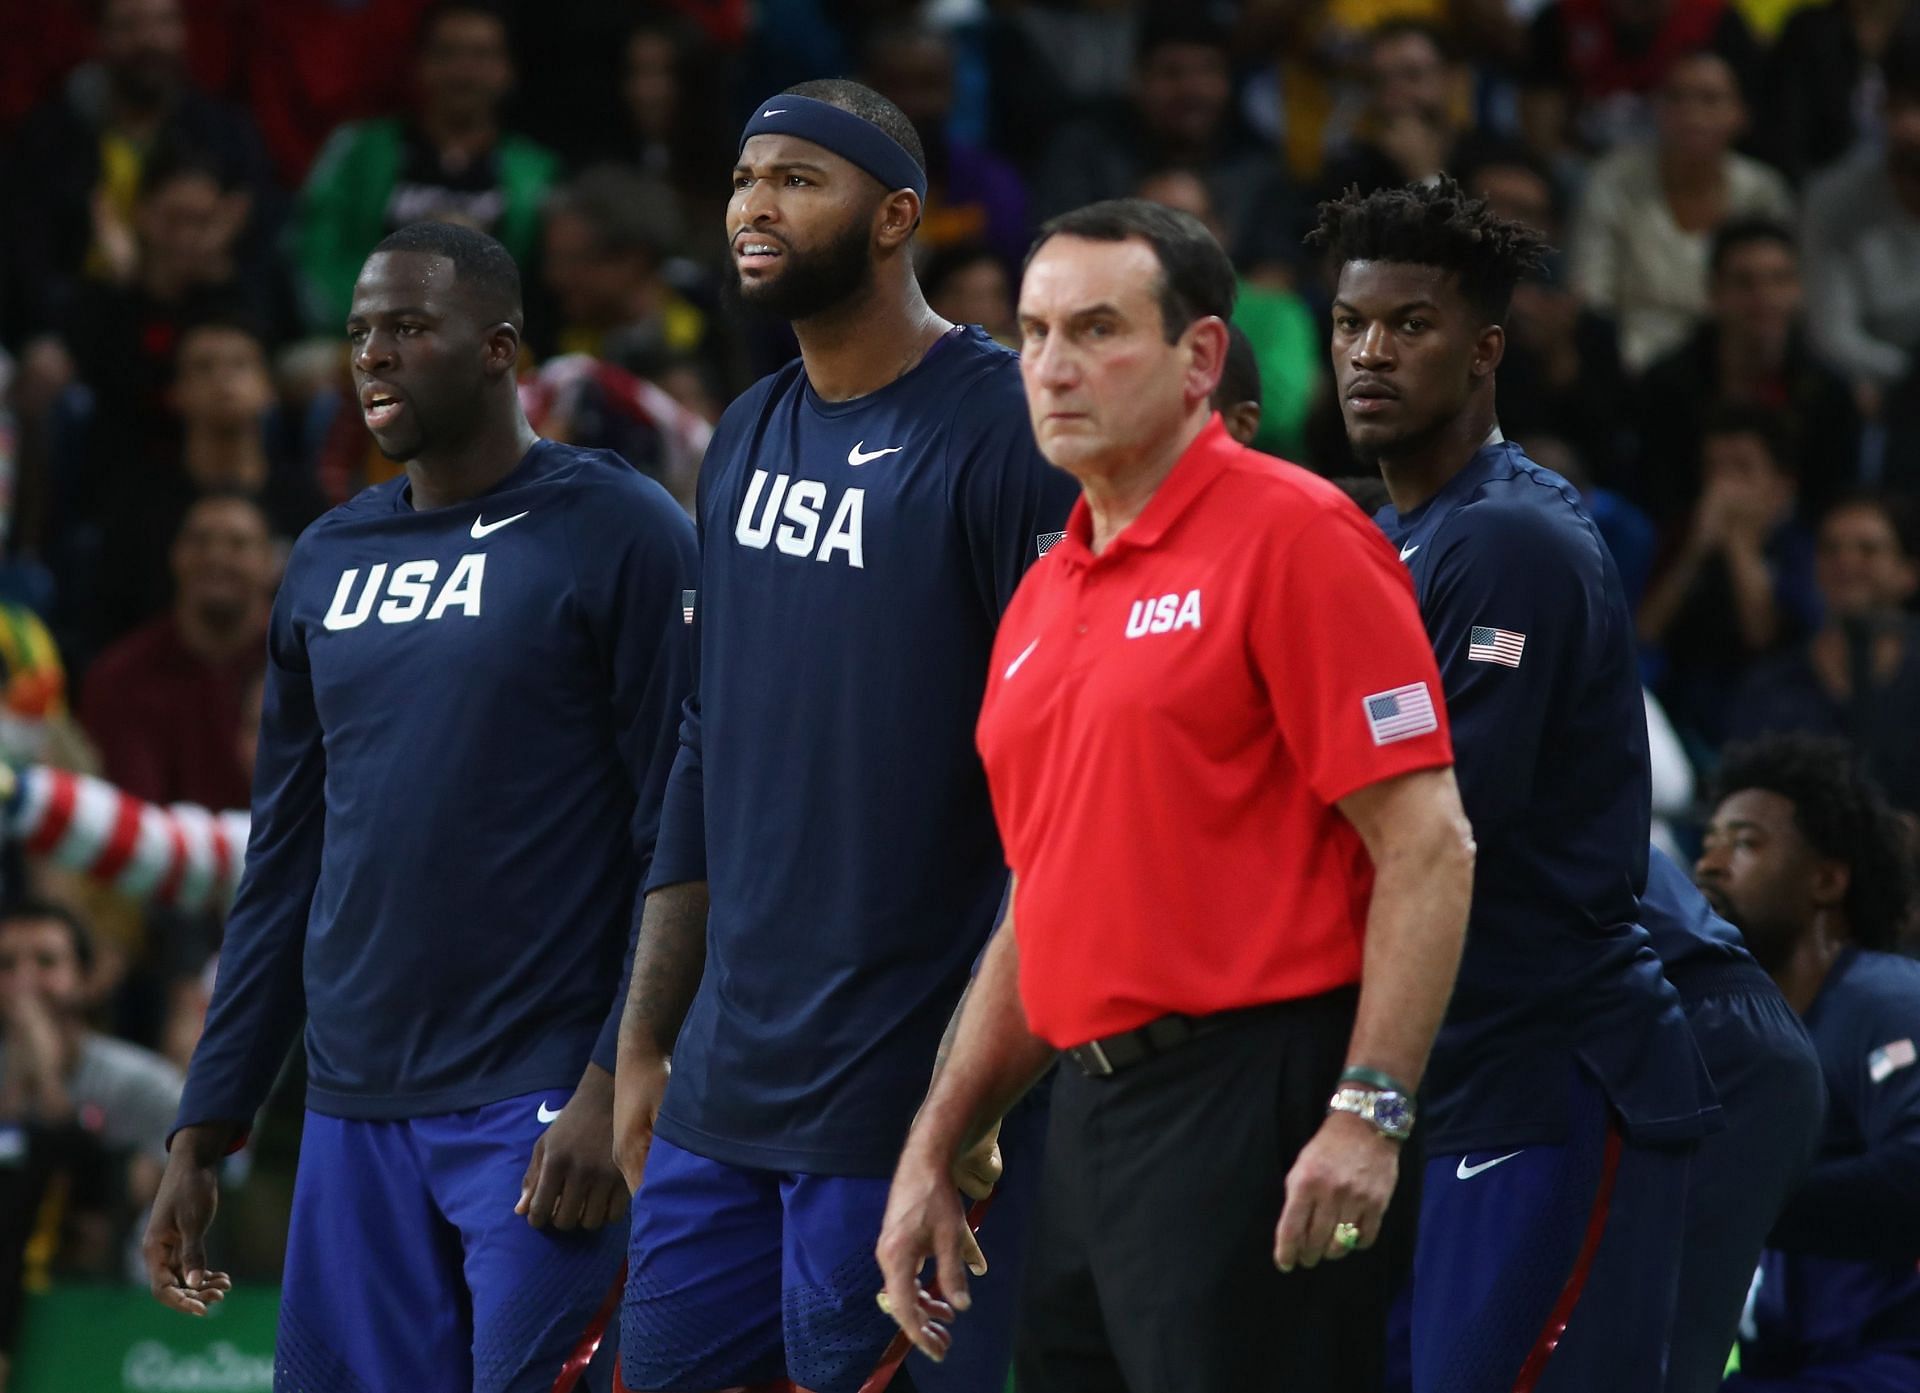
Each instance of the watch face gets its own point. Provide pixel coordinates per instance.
(1392, 1112)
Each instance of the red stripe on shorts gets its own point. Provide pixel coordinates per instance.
(589, 1344)
(1556, 1326)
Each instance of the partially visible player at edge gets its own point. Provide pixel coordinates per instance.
(828, 867)
(474, 673)
(1565, 1096)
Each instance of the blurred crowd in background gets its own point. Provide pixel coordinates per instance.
(1722, 357)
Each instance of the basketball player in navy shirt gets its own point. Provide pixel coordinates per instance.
(1565, 1095)
(473, 682)
(828, 868)
(1803, 853)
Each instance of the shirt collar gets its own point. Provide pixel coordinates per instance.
(1199, 464)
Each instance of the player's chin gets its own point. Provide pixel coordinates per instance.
(398, 446)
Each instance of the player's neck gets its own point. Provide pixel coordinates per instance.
(1422, 469)
(859, 347)
(466, 470)
(1806, 969)
(1115, 498)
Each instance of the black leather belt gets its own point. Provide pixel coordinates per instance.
(1109, 1055)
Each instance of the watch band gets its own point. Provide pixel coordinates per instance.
(1374, 1078)
(1394, 1119)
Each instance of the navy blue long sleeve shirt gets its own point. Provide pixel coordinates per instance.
(855, 559)
(469, 719)
(1839, 1273)
(1535, 648)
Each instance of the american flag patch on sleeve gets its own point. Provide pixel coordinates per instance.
(1488, 645)
(1047, 541)
(1400, 714)
(686, 605)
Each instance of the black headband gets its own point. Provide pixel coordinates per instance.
(851, 137)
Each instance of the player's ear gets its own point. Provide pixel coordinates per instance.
(899, 216)
(1831, 881)
(1206, 340)
(502, 353)
(1488, 350)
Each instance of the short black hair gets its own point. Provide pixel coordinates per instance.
(1746, 232)
(252, 499)
(29, 908)
(173, 159)
(860, 100)
(232, 316)
(627, 210)
(1897, 510)
(1439, 225)
(481, 266)
(1167, 24)
(1196, 278)
(1774, 430)
(1843, 816)
(430, 18)
(1497, 153)
(949, 262)
(1240, 375)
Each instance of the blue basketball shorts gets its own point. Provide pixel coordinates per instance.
(408, 1269)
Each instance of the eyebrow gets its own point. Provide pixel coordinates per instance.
(781, 165)
(361, 316)
(1395, 313)
(1737, 824)
(1106, 307)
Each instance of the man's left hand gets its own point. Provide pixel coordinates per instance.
(572, 1182)
(1345, 1175)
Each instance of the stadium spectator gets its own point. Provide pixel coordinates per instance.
(78, 160)
(970, 285)
(973, 196)
(1417, 115)
(164, 704)
(452, 160)
(671, 89)
(1738, 584)
(221, 404)
(1859, 674)
(1142, 784)
(1862, 242)
(1286, 337)
(1804, 856)
(1561, 375)
(1752, 352)
(607, 237)
(1647, 217)
(1820, 92)
(1237, 397)
(1592, 66)
(1179, 114)
(56, 1071)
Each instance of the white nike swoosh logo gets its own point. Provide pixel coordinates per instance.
(482, 529)
(859, 455)
(774, 111)
(546, 1114)
(1026, 653)
(1405, 552)
(1467, 1172)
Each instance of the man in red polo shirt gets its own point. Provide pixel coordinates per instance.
(1220, 764)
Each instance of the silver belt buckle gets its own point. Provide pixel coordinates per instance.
(1101, 1066)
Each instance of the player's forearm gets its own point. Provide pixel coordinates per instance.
(668, 962)
(994, 1058)
(1863, 1208)
(1416, 926)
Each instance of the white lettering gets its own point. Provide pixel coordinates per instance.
(412, 583)
(338, 616)
(804, 501)
(462, 587)
(756, 534)
(843, 533)
(1164, 614)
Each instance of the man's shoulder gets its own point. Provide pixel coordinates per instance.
(608, 491)
(133, 653)
(1852, 190)
(111, 1064)
(1282, 494)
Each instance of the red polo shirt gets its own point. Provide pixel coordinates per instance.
(1167, 727)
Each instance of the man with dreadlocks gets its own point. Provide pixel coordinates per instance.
(1565, 1096)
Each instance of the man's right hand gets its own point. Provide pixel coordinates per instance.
(175, 1246)
(639, 1083)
